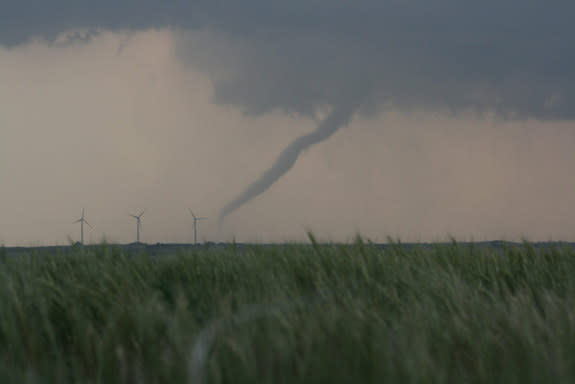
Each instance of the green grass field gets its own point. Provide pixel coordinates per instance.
(290, 314)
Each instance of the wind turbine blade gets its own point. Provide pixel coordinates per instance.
(77, 221)
(86, 221)
(142, 213)
(82, 213)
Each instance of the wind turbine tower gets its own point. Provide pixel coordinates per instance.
(138, 224)
(82, 220)
(196, 219)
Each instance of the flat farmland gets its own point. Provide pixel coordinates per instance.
(236, 313)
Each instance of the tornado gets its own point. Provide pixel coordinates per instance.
(339, 116)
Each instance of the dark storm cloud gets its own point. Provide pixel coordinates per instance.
(506, 57)
(511, 57)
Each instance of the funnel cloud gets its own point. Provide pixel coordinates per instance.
(339, 116)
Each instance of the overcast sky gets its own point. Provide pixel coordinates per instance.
(459, 119)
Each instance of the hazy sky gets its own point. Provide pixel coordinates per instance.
(463, 119)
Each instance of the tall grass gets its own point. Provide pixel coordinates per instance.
(290, 314)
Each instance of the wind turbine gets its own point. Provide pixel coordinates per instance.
(82, 220)
(196, 219)
(138, 225)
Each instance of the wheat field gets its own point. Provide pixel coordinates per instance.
(317, 313)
